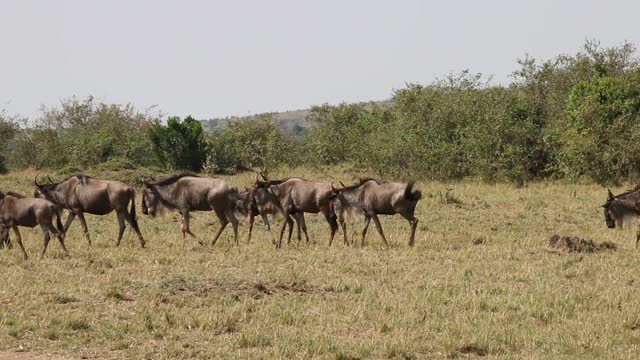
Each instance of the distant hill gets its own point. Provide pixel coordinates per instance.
(293, 122)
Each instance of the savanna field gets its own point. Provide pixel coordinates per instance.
(480, 282)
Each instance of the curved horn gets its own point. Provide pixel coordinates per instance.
(35, 181)
(50, 181)
(263, 176)
(611, 196)
(341, 184)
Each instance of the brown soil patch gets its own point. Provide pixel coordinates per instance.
(574, 244)
(469, 350)
(201, 287)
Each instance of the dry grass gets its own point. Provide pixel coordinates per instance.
(479, 283)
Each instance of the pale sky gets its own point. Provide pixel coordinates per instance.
(218, 58)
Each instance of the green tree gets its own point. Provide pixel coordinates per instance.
(602, 133)
(8, 130)
(179, 144)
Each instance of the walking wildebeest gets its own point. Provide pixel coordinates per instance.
(188, 192)
(258, 201)
(374, 197)
(18, 210)
(298, 196)
(82, 194)
(620, 207)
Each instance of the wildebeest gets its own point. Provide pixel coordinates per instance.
(82, 194)
(298, 196)
(259, 201)
(621, 207)
(371, 198)
(189, 192)
(18, 210)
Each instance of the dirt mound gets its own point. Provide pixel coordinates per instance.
(468, 351)
(574, 244)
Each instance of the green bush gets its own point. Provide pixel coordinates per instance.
(179, 144)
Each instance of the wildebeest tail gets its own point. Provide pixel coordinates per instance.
(411, 193)
(132, 211)
(59, 221)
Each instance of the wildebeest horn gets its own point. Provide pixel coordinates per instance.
(50, 181)
(342, 184)
(333, 187)
(611, 196)
(35, 181)
(263, 176)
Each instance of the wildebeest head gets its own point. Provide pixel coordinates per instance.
(151, 200)
(617, 208)
(45, 191)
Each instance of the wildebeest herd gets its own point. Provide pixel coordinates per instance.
(290, 197)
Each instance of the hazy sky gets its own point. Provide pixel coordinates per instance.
(218, 58)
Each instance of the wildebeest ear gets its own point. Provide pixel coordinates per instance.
(611, 196)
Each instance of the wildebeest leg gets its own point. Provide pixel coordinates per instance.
(134, 225)
(121, 226)
(251, 219)
(19, 241)
(185, 225)
(290, 225)
(47, 237)
(303, 224)
(231, 216)
(223, 224)
(60, 238)
(83, 223)
(367, 219)
(70, 218)
(265, 221)
(379, 228)
(413, 222)
(284, 225)
(343, 223)
(333, 224)
(4, 238)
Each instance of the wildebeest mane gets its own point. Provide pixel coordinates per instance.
(172, 179)
(365, 179)
(628, 192)
(15, 194)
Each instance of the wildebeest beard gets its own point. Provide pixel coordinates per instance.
(162, 200)
(620, 213)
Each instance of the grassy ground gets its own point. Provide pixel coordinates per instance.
(479, 282)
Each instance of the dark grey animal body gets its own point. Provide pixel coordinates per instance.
(17, 210)
(259, 201)
(371, 198)
(82, 194)
(188, 192)
(298, 196)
